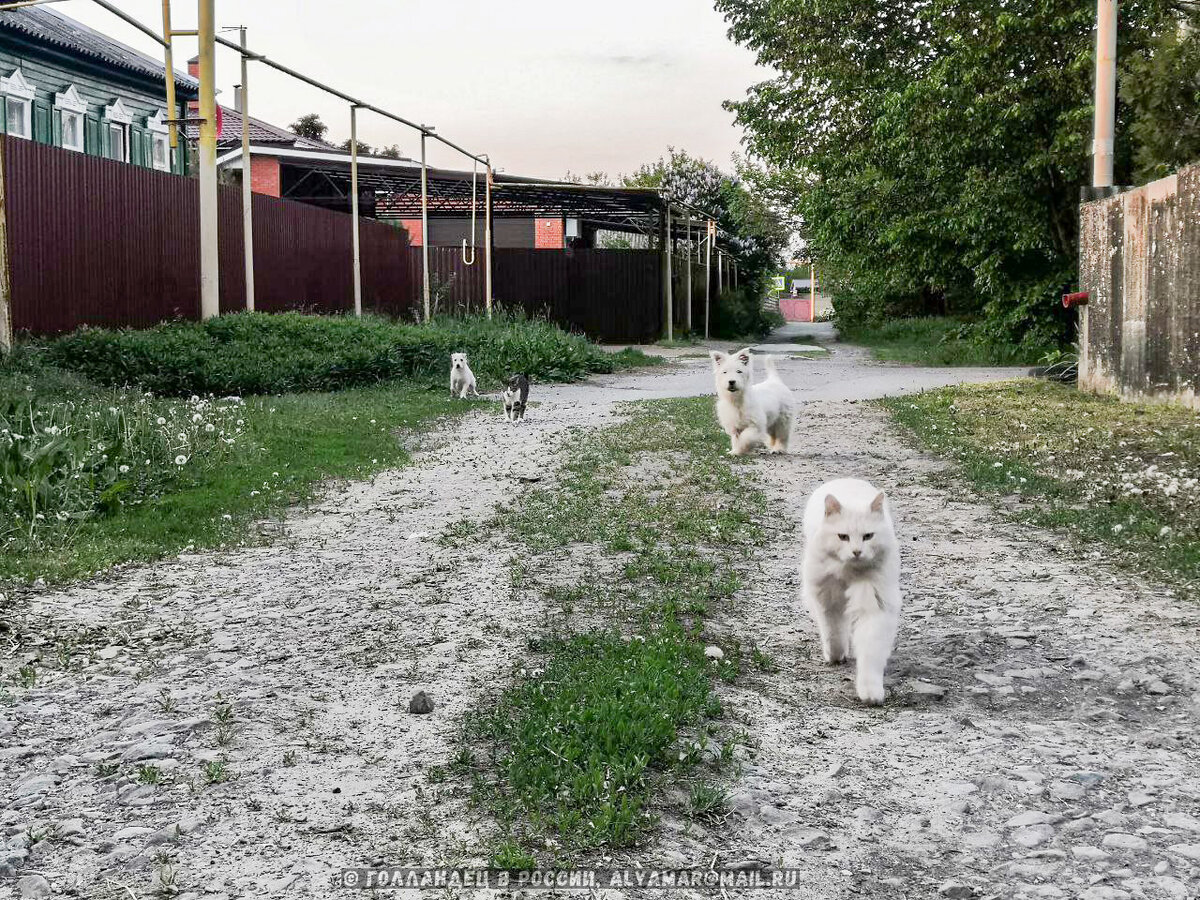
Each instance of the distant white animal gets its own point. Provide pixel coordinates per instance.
(852, 578)
(462, 379)
(752, 415)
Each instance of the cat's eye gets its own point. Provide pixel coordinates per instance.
(868, 535)
(843, 537)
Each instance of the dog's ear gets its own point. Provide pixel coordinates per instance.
(877, 503)
(832, 507)
(744, 356)
(718, 357)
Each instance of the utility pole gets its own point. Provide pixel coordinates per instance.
(668, 299)
(487, 240)
(247, 182)
(1106, 93)
(688, 289)
(210, 298)
(708, 245)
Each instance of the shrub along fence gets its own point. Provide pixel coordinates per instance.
(91, 241)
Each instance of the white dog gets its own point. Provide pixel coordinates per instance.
(462, 379)
(852, 578)
(752, 414)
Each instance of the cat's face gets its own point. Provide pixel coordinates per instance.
(732, 370)
(458, 361)
(857, 537)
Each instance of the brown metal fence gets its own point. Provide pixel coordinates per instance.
(97, 242)
(91, 241)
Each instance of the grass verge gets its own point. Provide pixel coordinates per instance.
(934, 341)
(617, 698)
(1124, 476)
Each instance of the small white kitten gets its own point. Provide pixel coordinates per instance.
(852, 578)
(462, 379)
(752, 414)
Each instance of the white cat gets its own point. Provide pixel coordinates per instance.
(852, 578)
(752, 414)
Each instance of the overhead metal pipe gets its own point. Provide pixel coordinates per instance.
(424, 129)
(354, 209)
(210, 302)
(247, 182)
(425, 292)
(125, 17)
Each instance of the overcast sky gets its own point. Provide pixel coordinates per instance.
(542, 85)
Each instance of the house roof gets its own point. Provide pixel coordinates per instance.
(46, 26)
(261, 134)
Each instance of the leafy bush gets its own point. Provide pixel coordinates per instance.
(933, 340)
(258, 353)
(739, 314)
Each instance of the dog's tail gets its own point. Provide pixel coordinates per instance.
(769, 367)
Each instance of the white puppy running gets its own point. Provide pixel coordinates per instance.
(462, 379)
(752, 414)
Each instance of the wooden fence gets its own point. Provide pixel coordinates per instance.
(92, 241)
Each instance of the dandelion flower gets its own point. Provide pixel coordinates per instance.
(161, 421)
(210, 427)
(180, 460)
(123, 469)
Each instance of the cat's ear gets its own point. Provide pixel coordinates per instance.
(832, 507)
(744, 356)
(717, 357)
(877, 503)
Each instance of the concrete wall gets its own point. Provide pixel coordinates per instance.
(1139, 260)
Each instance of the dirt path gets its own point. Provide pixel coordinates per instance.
(1040, 737)
(294, 663)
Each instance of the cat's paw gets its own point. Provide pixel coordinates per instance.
(871, 695)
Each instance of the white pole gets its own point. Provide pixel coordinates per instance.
(689, 271)
(424, 228)
(487, 240)
(247, 198)
(210, 297)
(1106, 93)
(667, 242)
(707, 277)
(812, 292)
(354, 209)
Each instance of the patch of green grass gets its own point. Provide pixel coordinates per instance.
(298, 441)
(513, 858)
(708, 802)
(933, 341)
(1124, 476)
(580, 744)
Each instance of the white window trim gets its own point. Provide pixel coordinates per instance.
(157, 123)
(66, 114)
(15, 85)
(118, 113)
(156, 140)
(70, 101)
(125, 136)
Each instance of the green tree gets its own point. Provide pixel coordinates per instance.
(310, 126)
(364, 148)
(934, 150)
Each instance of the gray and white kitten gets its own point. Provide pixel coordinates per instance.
(516, 397)
(852, 578)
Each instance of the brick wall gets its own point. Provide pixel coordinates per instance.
(264, 175)
(548, 234)
(416, 237)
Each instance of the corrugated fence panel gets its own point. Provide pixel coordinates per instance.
(98, 242)
(609, 295)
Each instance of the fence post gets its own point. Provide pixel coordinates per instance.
(247, 183)
(424, 228)
(689, 271)
(708, 276)
(210, 287)
(357, 260)
(668, 300)
(6, 329)
(487, 239)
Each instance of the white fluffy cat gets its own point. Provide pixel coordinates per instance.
(852, 578)
(752, 414)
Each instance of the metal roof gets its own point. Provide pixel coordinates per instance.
(46, 26)
(261, 133)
